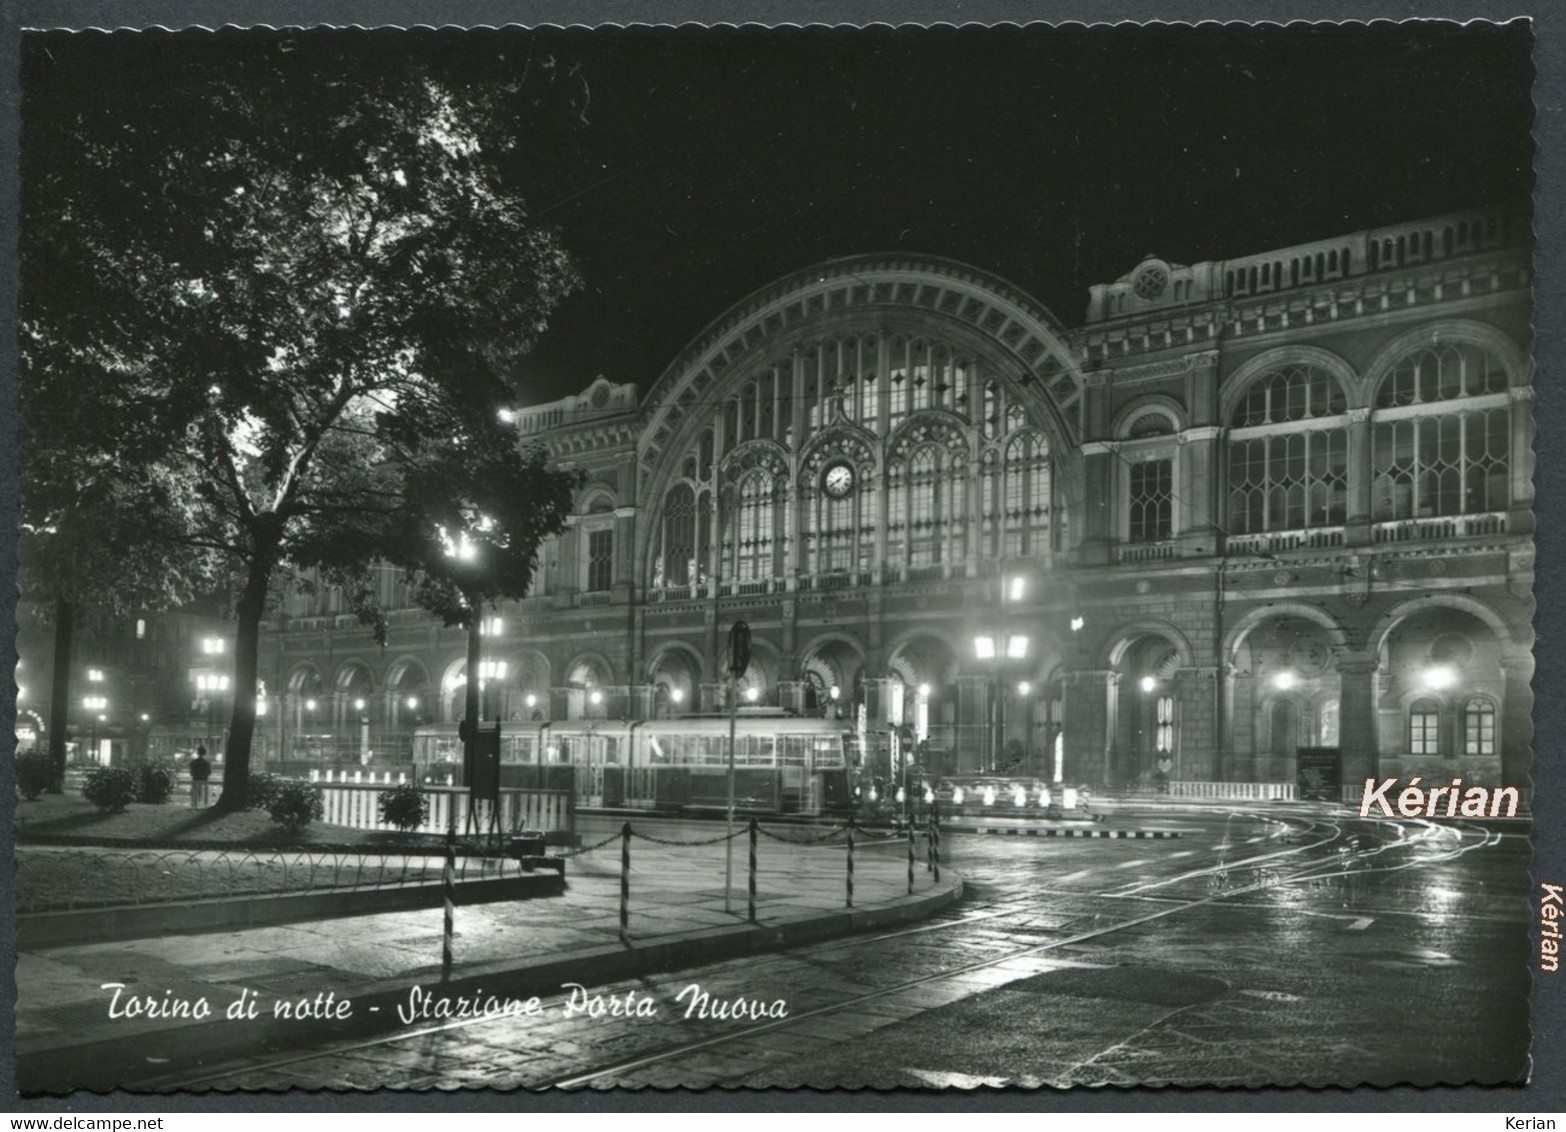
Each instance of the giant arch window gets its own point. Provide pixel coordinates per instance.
(1443, 435)
(1288, 453)
(971, 473)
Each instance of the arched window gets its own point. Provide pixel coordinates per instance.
(755, 527)
(1424, 728)
(1288, 453)
(1152, 500)
(1027, 492)
(1327, 723)
(1443, 434)
(1166, 724)
(1479, 726)
(923, 509)
(676, 566)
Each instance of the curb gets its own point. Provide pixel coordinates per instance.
(264, 909)
(136, 1061)
(1011, 831)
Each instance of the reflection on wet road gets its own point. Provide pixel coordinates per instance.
(1286, 945)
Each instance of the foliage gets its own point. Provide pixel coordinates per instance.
(34, 774)
(154, 783)
(282, 312)
(404, 806)
(295, 805)
(264, 790)
(110, 788)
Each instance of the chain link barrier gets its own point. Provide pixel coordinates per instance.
(688, 844)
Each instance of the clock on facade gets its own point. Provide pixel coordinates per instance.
(838, 480)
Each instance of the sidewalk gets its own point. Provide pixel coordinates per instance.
(65, 1037)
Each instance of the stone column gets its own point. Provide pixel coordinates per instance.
(1087, 725)
(1237, 757)
(971, 734)
(1516, 738)
(1361, 479)
(1357, 730)
(1196, 725)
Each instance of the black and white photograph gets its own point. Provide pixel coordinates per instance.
(739, 558)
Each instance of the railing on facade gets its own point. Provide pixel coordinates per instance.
(593, 597)
(1442, 527)
(1248, 791)
(1146, 551)
(1270, 542)
(930, 572)
(358, 807)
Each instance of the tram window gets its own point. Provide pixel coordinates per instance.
(829, 751)
(517, 749)
(793, 750)
(761, 750)
(611, 750)
(563, 751)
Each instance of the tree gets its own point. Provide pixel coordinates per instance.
(93, 535)
(291, 267)
(468, 532)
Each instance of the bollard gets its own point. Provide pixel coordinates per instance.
(753, 870)
(625, 884)
(449, 883)
(850, 860)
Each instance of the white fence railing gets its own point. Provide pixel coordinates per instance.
(1249, 791)
(357, 807)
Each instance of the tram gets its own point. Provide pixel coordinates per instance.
(783, 764)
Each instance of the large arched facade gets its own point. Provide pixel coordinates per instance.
(1234, 514)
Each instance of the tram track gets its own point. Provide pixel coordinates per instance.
(1315, 833)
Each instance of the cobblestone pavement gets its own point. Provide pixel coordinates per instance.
(1280, 946)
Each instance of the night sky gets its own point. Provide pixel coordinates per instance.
(687, 169)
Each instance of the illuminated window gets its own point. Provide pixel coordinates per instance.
(600, 560)
(755, 527)
(1166, 708)
(1152, 500)
(141, 629)
(1442, 442)
(1027, 491)
(1283, 476)
(1479, 727)
(1329, 723)
(1424, 728)
(677, 565)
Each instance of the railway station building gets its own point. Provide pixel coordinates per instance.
(1240, 508)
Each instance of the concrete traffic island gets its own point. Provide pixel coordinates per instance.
(97, 1016)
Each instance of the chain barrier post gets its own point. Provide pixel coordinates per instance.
(910, 856)
(625, 884)
(753, 870)
(935, 844)
(850, 860)
(449, 884)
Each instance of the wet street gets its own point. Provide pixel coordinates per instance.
(1266, 945)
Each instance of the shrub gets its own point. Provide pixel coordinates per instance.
(34, 774)
(110, 788)
(264, 790)
(404, 806)
(154, 783)
(296, 805)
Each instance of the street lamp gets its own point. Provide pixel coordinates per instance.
(97, 707)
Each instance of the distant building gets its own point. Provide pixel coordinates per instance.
(145, 683)
(1249, 506)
